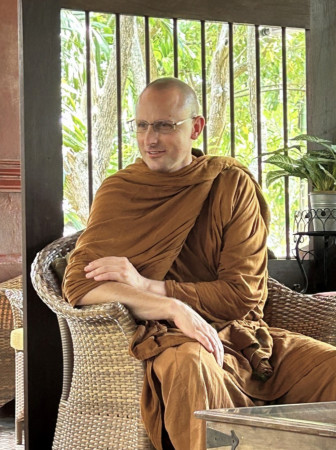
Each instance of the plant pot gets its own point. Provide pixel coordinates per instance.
(323, 205)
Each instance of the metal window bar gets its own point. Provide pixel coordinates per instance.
(258, 100)
(176, 71)
(89, 104)
(204, 86)
(285, 135)
(204, 97)
(119, 108)
(231, 80)
(147, 50)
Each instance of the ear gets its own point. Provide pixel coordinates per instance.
(198, 125)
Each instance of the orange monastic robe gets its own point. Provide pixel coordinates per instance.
(202, 229)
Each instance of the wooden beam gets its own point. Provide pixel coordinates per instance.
(261, 12)
(40, 73)
(321, 70)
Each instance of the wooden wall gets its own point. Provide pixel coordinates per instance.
(10, 182)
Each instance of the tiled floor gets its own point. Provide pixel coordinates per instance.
(7, 429)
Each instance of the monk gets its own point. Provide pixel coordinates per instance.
(180, 239)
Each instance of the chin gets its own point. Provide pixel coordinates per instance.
(155, 166)
(158, 168)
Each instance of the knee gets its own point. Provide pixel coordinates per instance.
(189, 362)
(182, 358)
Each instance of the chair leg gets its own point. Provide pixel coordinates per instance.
(18, 431)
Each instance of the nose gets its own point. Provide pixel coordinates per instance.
(151, 136)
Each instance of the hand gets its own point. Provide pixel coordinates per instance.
(114, 268)
(194, 326)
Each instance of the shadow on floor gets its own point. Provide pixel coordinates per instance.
(7, 428)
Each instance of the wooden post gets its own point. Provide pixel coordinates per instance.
(40, 73)
(321, 69)
(321, 98)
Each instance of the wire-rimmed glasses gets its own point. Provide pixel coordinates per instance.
(159, 126)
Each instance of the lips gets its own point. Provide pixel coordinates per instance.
(154, 153)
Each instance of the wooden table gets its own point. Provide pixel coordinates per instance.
(309, 426)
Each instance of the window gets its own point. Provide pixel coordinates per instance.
(250, 81)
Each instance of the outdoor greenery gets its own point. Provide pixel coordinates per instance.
(108, 147)
(317, 165)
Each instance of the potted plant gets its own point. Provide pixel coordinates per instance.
(318, 166)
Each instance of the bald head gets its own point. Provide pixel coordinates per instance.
(171, 102)
(187, 94)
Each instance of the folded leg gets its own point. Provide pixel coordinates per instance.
(318, 385)
(191, 380)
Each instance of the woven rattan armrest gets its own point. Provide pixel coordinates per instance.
(314, 316)
(110, 311)
(48, 288)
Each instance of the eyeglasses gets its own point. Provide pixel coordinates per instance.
(159, 126)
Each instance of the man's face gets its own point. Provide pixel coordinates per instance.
(165, 152)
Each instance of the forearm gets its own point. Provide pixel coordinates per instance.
(212, 300)
(156, 287)
(219, 300)
(144, 305)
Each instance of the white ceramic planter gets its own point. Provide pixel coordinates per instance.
(324, 203)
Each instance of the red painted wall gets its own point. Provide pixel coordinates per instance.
(10, 198)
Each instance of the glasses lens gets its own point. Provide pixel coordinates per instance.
(141, 126)
(164, 126)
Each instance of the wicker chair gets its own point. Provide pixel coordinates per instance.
(99, 406)
(15, 298)
(8, 320)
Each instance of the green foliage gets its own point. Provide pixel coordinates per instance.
(317, 166)
(190, 70)
(71, 218)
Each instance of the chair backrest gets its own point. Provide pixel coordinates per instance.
(48, 286)
(45, 279)
(314, 316)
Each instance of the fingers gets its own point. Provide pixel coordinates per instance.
(119, 263)
(217, 345)
(108, 268)
(205, 341)
(193, 325)
(211, 342)
(213, 346)
(104, 276)
(99, 271)
(219, 353)
(114, 268)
